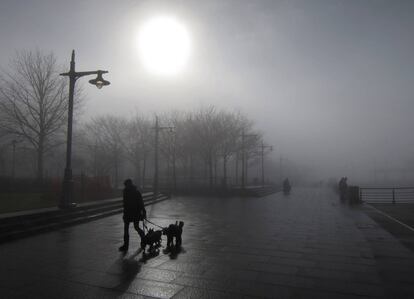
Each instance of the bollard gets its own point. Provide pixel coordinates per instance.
(393, 195)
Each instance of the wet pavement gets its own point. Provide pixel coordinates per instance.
(305, 245)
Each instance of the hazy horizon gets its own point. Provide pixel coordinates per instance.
(329, 83)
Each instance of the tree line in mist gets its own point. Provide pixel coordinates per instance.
(207, 147)
(202, 147)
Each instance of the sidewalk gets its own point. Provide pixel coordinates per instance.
(305, 245)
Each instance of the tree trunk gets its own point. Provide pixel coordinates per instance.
(225, 171)
(144, 168)
(40, 155)
(205, 174)
(210, 170)
(237, 169)
(191, 170)
(168, 183)
(174, 173)
(246, 168)
(95, 160)
(215, 171)
(116, 172)
(138, 173)
(2, 165)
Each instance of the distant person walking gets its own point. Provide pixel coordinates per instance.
(343, 187)
(286, 186)
(134, 211)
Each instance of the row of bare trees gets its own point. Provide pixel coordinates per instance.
(198, 148)
(204, 147)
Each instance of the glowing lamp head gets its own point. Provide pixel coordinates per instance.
(99, 82)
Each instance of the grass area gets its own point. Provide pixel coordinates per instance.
(13, 202)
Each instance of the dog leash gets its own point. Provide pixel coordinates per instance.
(154, 223)
(144, 227)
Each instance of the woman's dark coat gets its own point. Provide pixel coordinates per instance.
(134, 209)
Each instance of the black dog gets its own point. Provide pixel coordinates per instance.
(151, 238)
(174, 231)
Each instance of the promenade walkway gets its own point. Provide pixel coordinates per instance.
(305, 245)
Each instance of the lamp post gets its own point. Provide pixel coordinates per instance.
(14, 159)
(67, 186)
(263, 147)
(244, 163)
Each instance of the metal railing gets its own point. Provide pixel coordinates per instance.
(387, 194)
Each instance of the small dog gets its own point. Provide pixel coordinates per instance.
(174, 231)
(152, 239)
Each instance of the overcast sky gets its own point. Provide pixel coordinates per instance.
(330, 83)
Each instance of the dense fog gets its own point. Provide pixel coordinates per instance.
(328, 84)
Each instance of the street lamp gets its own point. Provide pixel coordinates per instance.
(67, 186)
(244, 163)
(263, 147)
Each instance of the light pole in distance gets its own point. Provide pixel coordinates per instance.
(263, 147)
(244, 162)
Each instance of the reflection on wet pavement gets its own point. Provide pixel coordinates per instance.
(301, 246)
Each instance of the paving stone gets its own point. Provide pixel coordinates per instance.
(286, 280)
(327, 274)
(99, 279)
(159, 275)
(260, 289)
(190, 293)
(72, 290)
(13, 279)
(304, 246)
(350, 288)
(306, 294)
(337, 265)
(194, 268)
(291, 262)
(222, 272)
(9, 293)
(150, 288)
(341, 259)
(272, 268)
(211, 284)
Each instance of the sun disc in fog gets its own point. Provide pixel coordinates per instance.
(164, 45)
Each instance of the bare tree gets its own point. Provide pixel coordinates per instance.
(178, 152)
(136, 141)
(33, 102)
(185, 148)
(231, 128)
(251, 150)
(206, 133)
(105, 133)
(198, 153)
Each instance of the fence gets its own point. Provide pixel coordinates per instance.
(387, 195)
